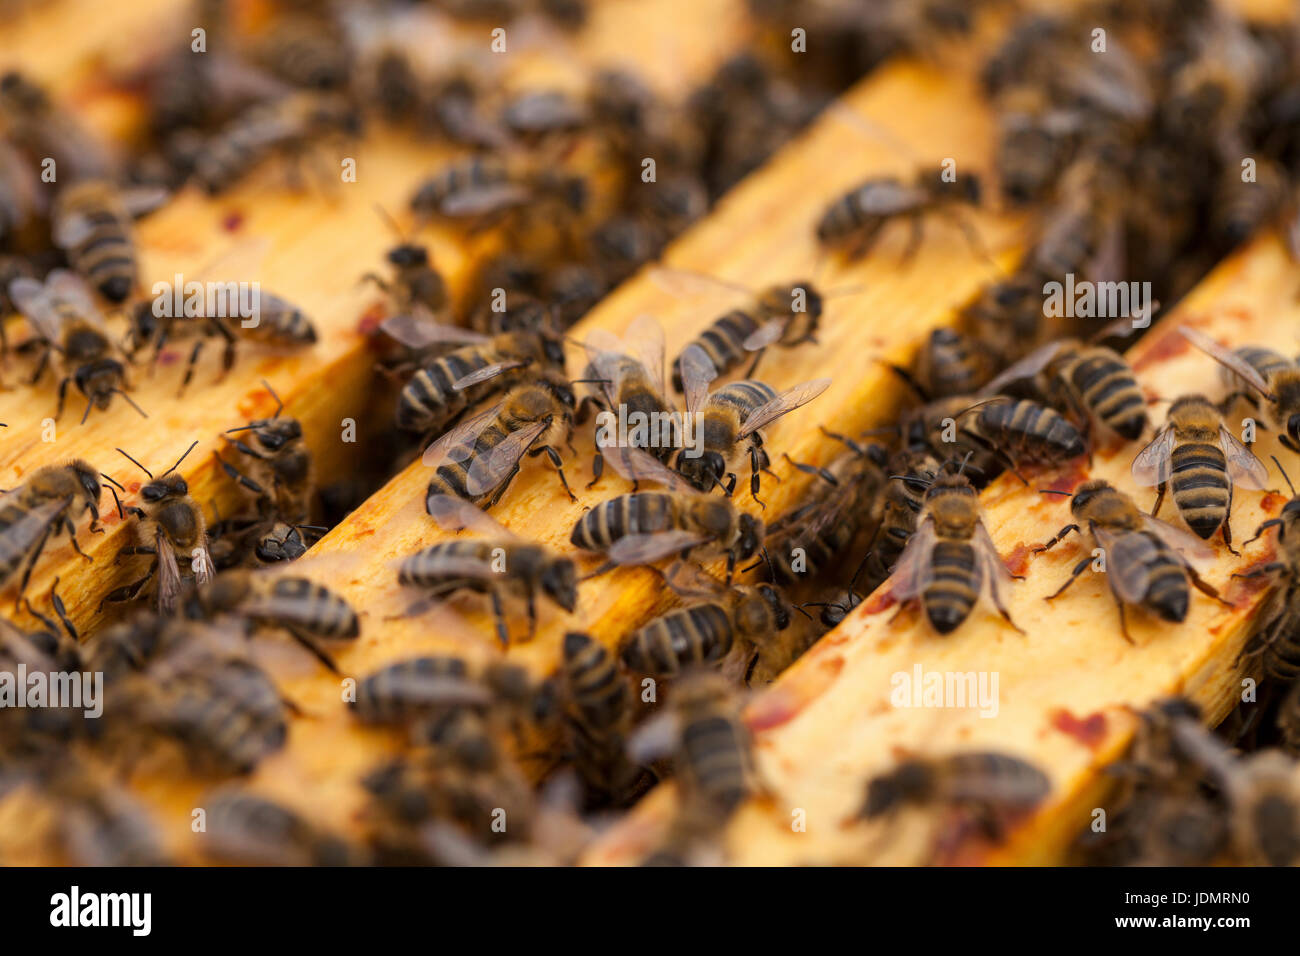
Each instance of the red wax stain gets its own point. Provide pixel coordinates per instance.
(772, 710)
(256, 404)
(1068, 480)
(133, 486)
(368, 324)
(882, 600)
(1164, 346)
(1018, 560)
(1271, 502)
(232, 221)
(1089, 731)
(168, 357)
(1241, 590)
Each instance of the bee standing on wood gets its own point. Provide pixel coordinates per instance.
(40, 507)
(479, 458)
(1199, 459)
(1263, 371)
(91, 222)
(598, 716)
(282, 465)
(415, 282)
(950, 560)
(248, 829)
(497, 565)
(1277, 635)
(173, 521)
(729, 420)
(65, 320)
(1144, 566)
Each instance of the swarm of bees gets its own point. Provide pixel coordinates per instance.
(1124, 165)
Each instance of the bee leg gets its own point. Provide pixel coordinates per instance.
(377, 279)
(1074, 576)
(1002, 608)
(501, 488)
(242, 479)
(1273, 568)
(914, 239)
(821, 473)
(1205, 587)
(40, 366)
(1160, 499)
(191, 364)
(498, 612)
(62, 612)
(71, 528)
(753, 663)
(753, 366)
(31, 563)
(1123, 621)
(1060, 536)
(558, 462)
(315, 649)
(844, 440)
(128, 592)
(532, 615)
(729, 486)
(597, 468)
(1227, 525)
(63, 397)
(133, 549)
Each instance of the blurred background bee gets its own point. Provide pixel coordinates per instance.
(91, 222)
(39, 508)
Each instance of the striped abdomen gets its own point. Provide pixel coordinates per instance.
(597, 715)
(105, 256)
(863, 207)
(406, 689)
(993, 779)
(452, 477)
(1168, 594)
(439, 569)
(323, 612)
(1264, 361)
(1108, 388)
(1199, 483)
(232, 717)
(1031, 432)
(679, 639)
(428, 401)
(948, 598)
(724, 341)
(20, 531)
(643, 512)
(714, 760)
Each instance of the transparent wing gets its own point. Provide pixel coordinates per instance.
(71, 229)
(636, 465)
(1244, 468)
(764, 335)
(655, 738)
(914, 569)
(139, 200)
(169, 574)
(988, 551)
(458, 444)
(70, 288)
(33, 301)
(486, 374)
(454, 514)
(1228, 359)
(204, 569)
(646, 336)
(1152, 467)
(698, 371)
(1184, 542)
(419, 330)
(1027, 367)
(488, 471)
(649, 548)
(606, 355)
(783, 404)
(28, 529)
(1126, 573)
(477, 202)
(687, 282)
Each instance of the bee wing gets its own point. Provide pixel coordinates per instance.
(1243, 467)
(31, 524)
(169, 574)
(204, 569)
(1185, 543)
(486, 373)
(458, 444)
(488, 471)
(1027, 367)
(606, 354)
(687, 282)
(71, 228)
(914, 569)
(1151, 467)
(33, 300)
(994, 566)
(636, 465)
(139, 200)
(649, 548)
(476, 202)
(783, 404)
(698, 371)
(465, 567)
(764, 335)
(419, 329)
(655, 738)
(454, 514)
(1227, 358)
(71, 288)
(647, 338)
(1130, 583)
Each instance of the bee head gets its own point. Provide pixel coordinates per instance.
(88, 480)
(908, 781)
(704, 471)
(168, 486)
(1086, 494)
(276, 433)
(751, 536)
(408, 255)
(553, 350)
(560, 583)
(1293, 430)
(780, 612)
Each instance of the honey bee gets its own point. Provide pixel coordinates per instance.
(415, 282)
(1264, 797)
(1022, 431)
(480, 457)
(173, 521)
(706, 632)
(911, 475)
(784, 314)
(621, 244)
(854, 221)
(91, 222)
(283, 474)
(288, 124)
(936, 430)
(1196, 456)
(950, 560)
(1274, 640)
(305, 610)
(248, 829)
(646, 526)
(479, 367)
(99, 822)
(19, 203)
(534, 117)
(990, 785)
(1091, 380)
(223, 709)
(950, 363)
(1143, 561)
(1036, 139)
(598, 716)
(1276, 380)
(41, 128)
(499, 564)
(41, 507)
(65, 320)
(480, 191)
(306, 48)
(729, 420)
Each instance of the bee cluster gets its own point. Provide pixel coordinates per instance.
(1127, 159)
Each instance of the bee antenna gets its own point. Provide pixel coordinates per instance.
(962, 467)
(111, 480)
(279, 404)
(1285, 476)
(1053, 491)
(767, 559)
(180, 459)
(86, 413)
(134, 462)
(117, 501)
(130, 401)
(388, 219)
(801, 611)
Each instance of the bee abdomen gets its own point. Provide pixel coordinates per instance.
(1168, 593)
(716, 757)
(723, 341)
(1200, 486)
(948, 599)
(681, 638)
(408, 688)
(1110, 389)
(1037, 432)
